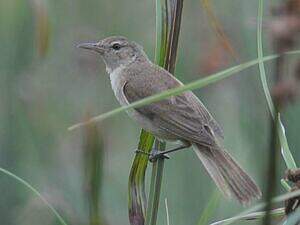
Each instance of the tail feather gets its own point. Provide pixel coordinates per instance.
(230, 178)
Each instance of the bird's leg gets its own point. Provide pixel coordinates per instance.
(155, 154)
(152, 153)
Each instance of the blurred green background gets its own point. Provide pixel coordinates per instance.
(47, 84)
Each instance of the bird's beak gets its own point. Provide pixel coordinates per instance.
(91, 46)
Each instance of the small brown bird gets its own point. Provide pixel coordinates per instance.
(134, 77)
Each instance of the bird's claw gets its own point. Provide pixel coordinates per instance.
(154, 155)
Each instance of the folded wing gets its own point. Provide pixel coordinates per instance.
(183, 115)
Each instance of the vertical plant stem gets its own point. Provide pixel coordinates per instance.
(272, 163)
(271, 172)
(158, 165)
(155, 186)
(137, 195)
(168, 19)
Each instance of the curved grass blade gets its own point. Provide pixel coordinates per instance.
(261, 63)
(272, 157)
(275, 213)
(210, 208)
(176, 91)
(34, 191)
(260, 206)
(285, 150)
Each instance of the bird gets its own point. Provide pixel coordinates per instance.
(181, 118)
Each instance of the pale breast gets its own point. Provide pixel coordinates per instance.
(117, 82)
(115, 79)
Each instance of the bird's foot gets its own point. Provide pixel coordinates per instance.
(154, 154)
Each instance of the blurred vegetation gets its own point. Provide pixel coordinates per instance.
(46, 85)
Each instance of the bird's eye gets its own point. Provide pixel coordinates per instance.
(116, 46)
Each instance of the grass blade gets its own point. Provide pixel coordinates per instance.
(285, 150)
(167, 211)
(260, 206)
(155, 187)
(275, 213)
(34, 191)
(210, 208)
(176, 91)
(261, 62)
(273, 145)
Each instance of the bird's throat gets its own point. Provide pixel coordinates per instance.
(115, 77)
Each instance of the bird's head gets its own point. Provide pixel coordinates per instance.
(116, 51)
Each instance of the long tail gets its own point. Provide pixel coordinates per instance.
(230, 178)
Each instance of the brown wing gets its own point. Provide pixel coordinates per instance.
(182, 115)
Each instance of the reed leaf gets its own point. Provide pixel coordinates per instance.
(188, 87)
